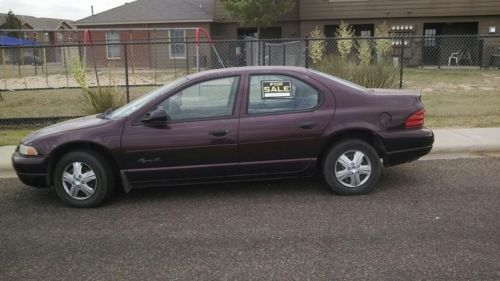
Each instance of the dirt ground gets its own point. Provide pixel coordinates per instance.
(106, 77)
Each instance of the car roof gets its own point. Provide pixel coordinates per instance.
(244, 69)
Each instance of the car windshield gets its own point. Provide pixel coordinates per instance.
(141, 101)
(342, 81)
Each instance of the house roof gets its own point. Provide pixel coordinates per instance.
(154, 11)
(39, 23)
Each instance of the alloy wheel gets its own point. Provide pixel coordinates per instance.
(79, 180)
(353, 168)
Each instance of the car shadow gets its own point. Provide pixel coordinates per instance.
(312, 185)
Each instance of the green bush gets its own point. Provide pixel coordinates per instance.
(364, 51)
(344, 36)
(98, 99)
(375, 75)
(383, 44)
(317, 45)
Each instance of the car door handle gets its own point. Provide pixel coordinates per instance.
(307, 125)
(219, 134)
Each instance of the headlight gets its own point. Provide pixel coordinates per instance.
(27, 150)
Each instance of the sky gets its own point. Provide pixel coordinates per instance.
(61, 9)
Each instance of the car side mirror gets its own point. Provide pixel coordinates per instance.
(156, 117)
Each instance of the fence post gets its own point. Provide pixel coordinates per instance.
(263, 52)
(258, 54)
(34, 59)
(284, 54)
(187, 56)
(269, 56)
(401, 58)
(127, 85)
(306, 52)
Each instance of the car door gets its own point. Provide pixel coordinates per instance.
(281, 123)
(199, 141)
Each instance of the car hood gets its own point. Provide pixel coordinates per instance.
(65, 127)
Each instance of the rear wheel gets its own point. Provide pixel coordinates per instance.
(351, 167)
(83, 179)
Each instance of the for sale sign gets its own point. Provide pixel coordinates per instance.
(276, 89)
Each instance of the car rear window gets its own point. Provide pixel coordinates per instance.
(341, 81)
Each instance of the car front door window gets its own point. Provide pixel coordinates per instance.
(208, 99)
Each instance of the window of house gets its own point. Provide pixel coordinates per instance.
(35, 36)
(25, 35)
(60, 37)
(430, 37)
(177, 43)
(46, 37)
(366, 33)
(208, 99)
(113, 51)
(280, 93)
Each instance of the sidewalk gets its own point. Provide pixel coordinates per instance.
(449, 143)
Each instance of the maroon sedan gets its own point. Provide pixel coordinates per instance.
(237, 124)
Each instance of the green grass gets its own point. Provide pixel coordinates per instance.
(12, 137)
(51, 102)
(458, 98)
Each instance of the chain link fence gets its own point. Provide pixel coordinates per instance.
(37, 85)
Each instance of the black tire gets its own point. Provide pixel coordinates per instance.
(348, 147)
(102, 186)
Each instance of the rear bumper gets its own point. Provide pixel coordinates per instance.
(31, 170)
(405, 146)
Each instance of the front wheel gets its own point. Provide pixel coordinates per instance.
(83, 179)
(352, 167)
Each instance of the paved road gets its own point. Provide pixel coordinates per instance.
(429, 220)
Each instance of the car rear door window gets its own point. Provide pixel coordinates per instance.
(280, 93)
(208, 99)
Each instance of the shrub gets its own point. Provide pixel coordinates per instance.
(376, 75)
(99, 99)
(345, 43)
(95, 100)
(317, 45)
(383, 45)
(364, 51)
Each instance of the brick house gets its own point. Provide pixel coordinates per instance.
(408, 18)
(46, 31)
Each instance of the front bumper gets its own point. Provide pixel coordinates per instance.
(405, 145)
(31, 170)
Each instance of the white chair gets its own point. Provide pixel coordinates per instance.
(454, 56)
(459, 56)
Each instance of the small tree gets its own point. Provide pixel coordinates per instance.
(316, 45)
(344, 36)
(258, 13)
(364, 51)
(383, 43)
(12, 22)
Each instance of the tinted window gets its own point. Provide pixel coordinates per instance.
(279, 93)
(214, 98)
(341, 81)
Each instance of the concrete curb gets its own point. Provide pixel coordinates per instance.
(6, 170)
(448, 144)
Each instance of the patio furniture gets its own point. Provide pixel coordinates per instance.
(495, 59)
(462, 55)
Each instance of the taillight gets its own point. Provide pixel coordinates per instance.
(416, 120)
